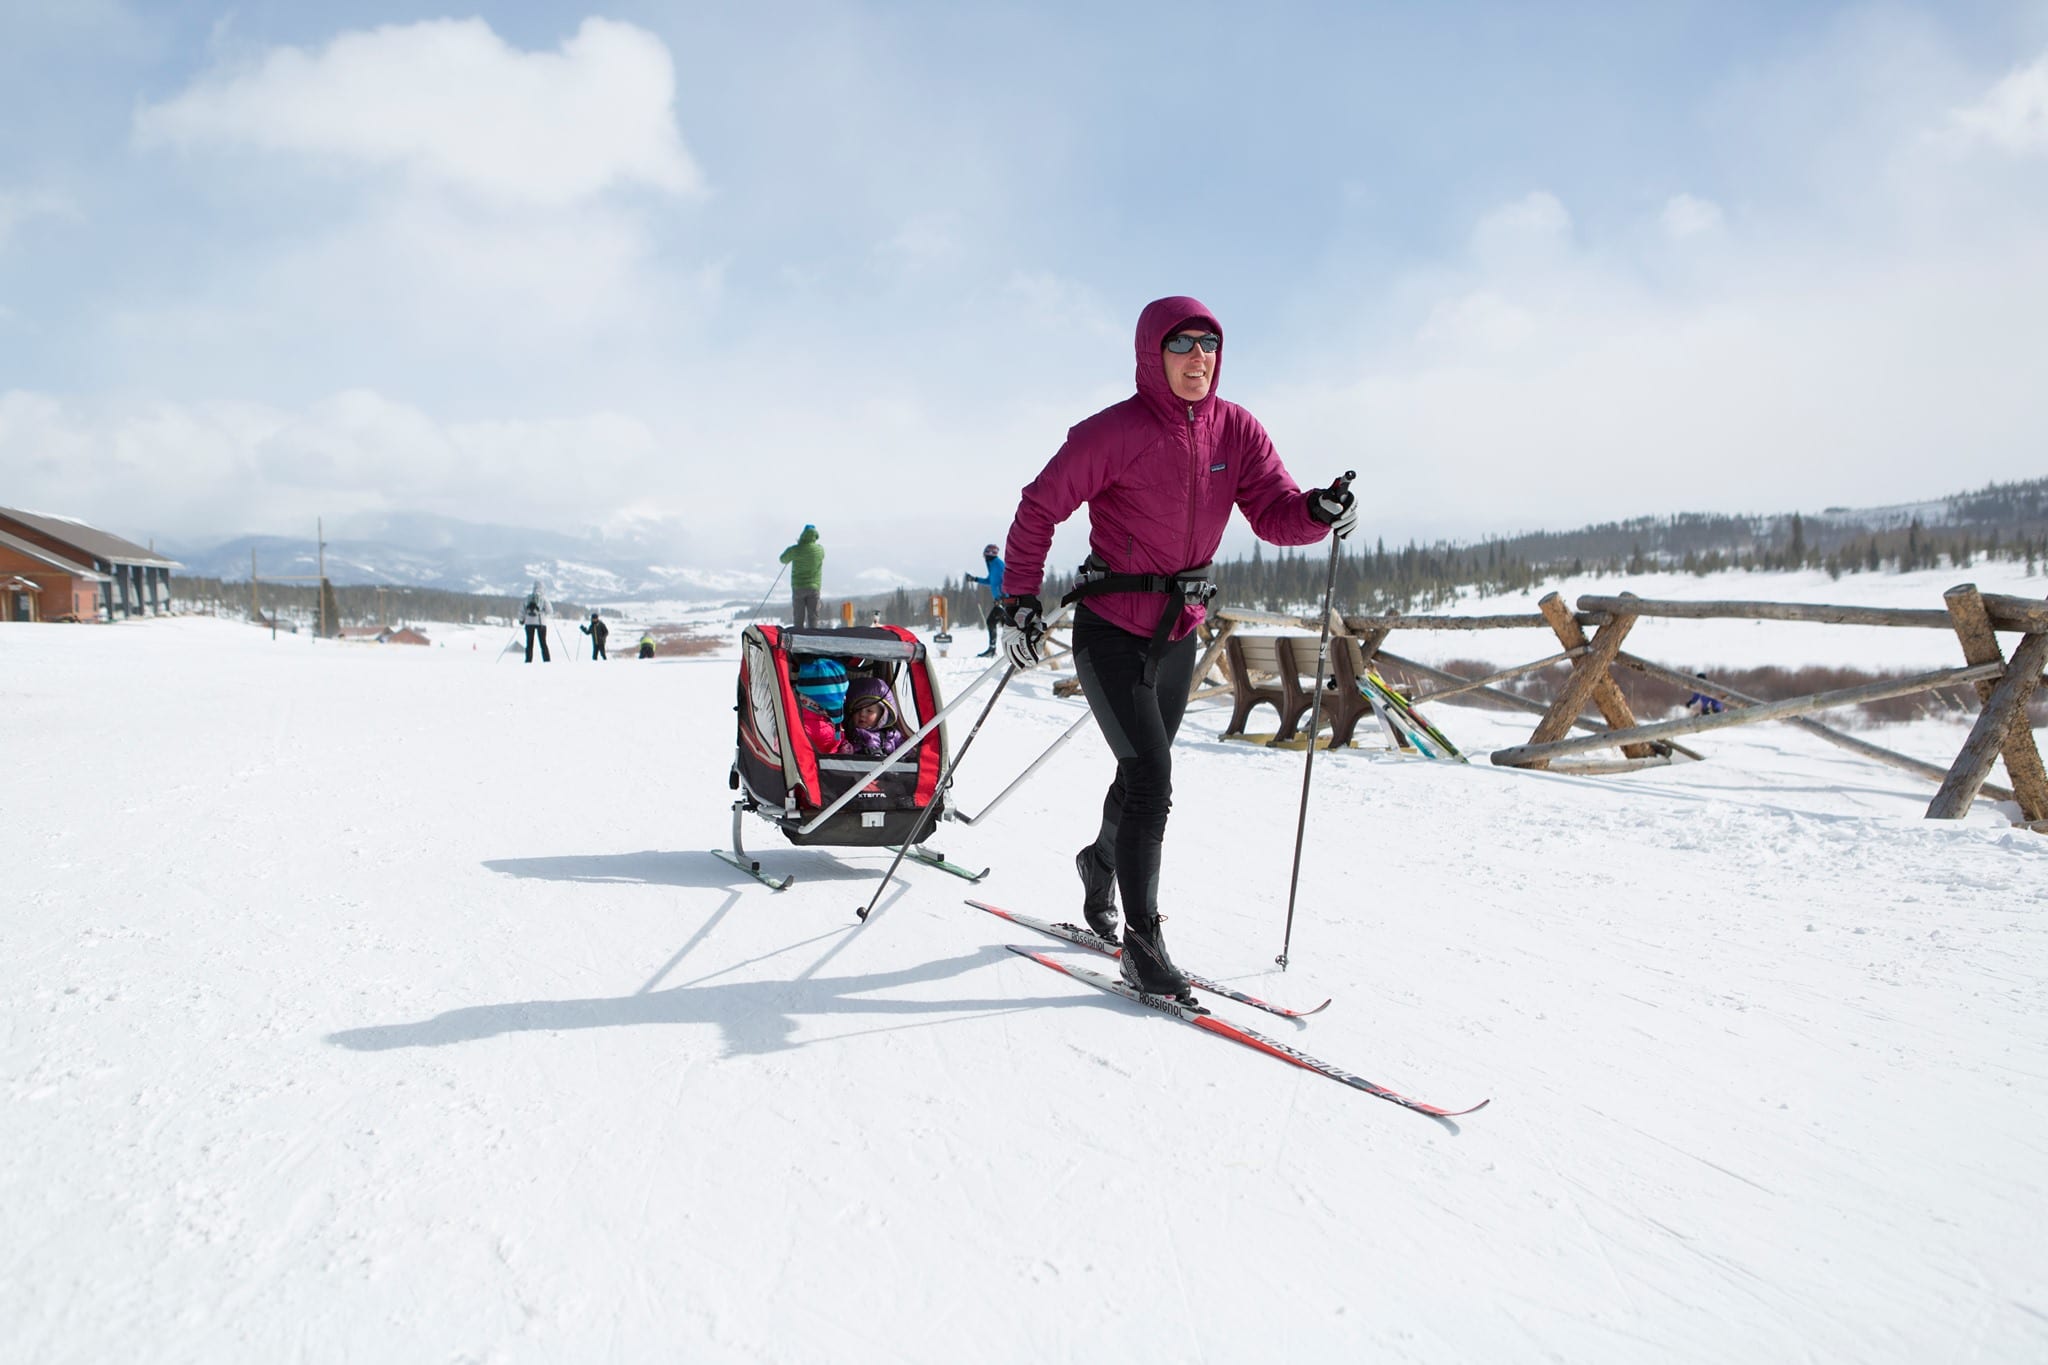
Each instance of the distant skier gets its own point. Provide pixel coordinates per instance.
(1700, 704)
(806, 560)
(647, 645)
(992, 560)
(535, 617)
(1160, 473)
(596, 630)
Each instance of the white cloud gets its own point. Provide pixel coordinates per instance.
(1685, 216)
(1481, 320)
(1873, 333)
(925, 243)
(451, 103)
(1529, 232)
(18, 206)
(1903, 364)
(1057, 303)
(2012, 116)
(213, 468)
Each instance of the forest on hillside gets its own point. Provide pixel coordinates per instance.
(350, 605)
(2001, 521)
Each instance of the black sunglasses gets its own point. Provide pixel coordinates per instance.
(1181, 343)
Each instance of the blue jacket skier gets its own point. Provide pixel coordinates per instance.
(993, 580)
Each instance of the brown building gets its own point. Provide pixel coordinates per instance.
(73, 572)
(37, 584)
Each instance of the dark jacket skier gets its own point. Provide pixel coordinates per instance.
(596, 630)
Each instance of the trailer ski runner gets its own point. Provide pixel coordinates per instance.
(1088, 938)
(1209, 1023)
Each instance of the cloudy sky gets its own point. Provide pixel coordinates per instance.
(706, 272)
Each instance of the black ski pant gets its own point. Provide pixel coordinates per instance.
(542, 631)
(1139, 722)
(597, 649)
(995, 619)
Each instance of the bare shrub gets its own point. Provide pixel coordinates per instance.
(675, 641)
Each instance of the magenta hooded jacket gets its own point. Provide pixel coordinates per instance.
(1160, 476)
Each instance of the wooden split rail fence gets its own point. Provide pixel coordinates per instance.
(2004, 686)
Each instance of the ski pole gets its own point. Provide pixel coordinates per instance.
(945, 783)
(1315, 718)
(758, 606)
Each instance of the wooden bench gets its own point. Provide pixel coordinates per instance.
(1279, 670)
(1347, 702)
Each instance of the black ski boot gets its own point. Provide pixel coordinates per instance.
(1098, 893)
(1145, 964)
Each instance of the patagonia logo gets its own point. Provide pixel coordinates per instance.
(1219, 466)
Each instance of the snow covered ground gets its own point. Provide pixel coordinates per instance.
(378, 1003)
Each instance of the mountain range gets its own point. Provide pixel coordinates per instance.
(417, 549)
(424, 550)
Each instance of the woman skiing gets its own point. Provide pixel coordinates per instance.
(1160, 472)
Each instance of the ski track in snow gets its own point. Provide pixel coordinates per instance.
(378, 1003)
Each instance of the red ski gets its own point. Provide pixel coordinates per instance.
(1202, 1019)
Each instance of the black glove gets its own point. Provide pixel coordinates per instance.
(1024, 631)
(1334, 507)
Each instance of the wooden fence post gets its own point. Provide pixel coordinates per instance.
(1212, 654)
(2022, 759)
(1933, 772)
(2004, 712)
(1369, 642)
(1589, 679)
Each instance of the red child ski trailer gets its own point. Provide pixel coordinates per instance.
(826, 799)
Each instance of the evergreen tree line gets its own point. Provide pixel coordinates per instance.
(1997, 522)
(356, 604)
(1373, 578)
(1415, 577)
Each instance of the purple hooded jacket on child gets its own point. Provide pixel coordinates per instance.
(885, 738)
(1160, 476)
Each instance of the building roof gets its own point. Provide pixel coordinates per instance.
(54, 560)
(91, 541)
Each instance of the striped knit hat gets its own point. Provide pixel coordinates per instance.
(822, 683)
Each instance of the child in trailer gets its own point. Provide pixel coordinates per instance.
(820, 702)
(874, 727)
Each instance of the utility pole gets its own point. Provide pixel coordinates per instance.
(320, 537)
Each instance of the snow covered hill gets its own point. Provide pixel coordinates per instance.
(419, 550)
(368, 1003)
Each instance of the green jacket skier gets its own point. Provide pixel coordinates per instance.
(806, 560)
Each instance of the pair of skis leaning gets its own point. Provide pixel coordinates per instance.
(1393, 710)
(1197, 1017)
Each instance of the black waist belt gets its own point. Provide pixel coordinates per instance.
(1187, 588)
